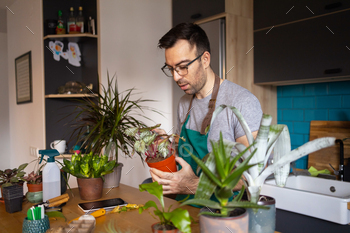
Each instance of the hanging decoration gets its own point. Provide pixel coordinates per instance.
(72, 53)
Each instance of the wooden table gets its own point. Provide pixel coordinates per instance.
(130, 221)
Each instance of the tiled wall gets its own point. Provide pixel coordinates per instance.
(297, 105)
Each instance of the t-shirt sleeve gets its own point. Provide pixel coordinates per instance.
(250, 108)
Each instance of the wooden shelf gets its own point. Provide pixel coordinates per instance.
(70, 96)
(64, 156)
(70, 37)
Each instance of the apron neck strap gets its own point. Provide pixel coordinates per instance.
(211, 105)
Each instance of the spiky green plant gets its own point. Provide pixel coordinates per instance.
(108, 117)
(270, 137)
(220, 174)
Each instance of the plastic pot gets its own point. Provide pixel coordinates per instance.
(166, 165)
(90, 188)
(13, 197)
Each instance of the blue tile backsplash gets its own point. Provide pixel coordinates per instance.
(297, 105)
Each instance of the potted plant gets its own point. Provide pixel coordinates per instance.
(89, 170)
(100, 124)
(177, 220)
(219, 176)
(9, 177)
(270, 138)
(35, 186)
(157, 148)
(11, 184)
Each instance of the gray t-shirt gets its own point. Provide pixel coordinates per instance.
(229, 94)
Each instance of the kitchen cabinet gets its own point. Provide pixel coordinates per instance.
(268, 13)
(58, 107)
(194, 10)
(312, 50)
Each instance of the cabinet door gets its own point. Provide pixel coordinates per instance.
(268, 13)
(311, 49)
(192, 10)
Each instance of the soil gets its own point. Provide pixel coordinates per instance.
(163, 227)
(155, 160)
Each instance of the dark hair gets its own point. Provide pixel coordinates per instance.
(193, 33)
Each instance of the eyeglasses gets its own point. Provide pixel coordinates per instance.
(181, 70)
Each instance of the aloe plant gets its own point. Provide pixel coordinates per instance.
(178, 217)
(270, 137)
(219, 176)
(101, 124)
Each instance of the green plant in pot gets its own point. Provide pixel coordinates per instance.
(157, 148)
(35, 186)
(270, 138)
(13, 176)
(100, 124)
(89, 170)
(220, 174)
(177, 220)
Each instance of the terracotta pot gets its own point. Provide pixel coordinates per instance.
(166, 165)
(35, 187)
(90, 188)
(263, 220)
(166, 231)
(238, 224)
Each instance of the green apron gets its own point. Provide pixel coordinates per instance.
(196, 142)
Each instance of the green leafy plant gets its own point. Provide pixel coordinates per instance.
(179, 218)
(9, 177)
(269, 137)
(150, 143)
(102, 122)
(219, 176)
(88, 166)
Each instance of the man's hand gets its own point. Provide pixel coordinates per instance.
(180, 182)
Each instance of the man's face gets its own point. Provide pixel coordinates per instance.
(180, 55)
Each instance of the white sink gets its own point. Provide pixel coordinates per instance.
(313, 197)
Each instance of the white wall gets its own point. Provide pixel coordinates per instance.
(26, 120)
(5, 154)
(130, 31)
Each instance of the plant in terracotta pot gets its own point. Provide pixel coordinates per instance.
(220, 174)
(270, 138)
(100, 123)
(177, 220)
(35, 186)
(89, 170)
(157, 148)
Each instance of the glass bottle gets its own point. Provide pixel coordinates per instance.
(71, 26)
(60, 29)
(80, 21)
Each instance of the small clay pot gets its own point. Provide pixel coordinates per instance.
(166, 165)
(90, 188)
(35, 187)
(155, 229)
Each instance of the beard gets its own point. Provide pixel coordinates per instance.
(196, 83)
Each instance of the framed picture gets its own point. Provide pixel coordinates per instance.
(23, 67)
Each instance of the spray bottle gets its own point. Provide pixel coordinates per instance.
(51, 175)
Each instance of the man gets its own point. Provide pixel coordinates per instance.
(187, 61)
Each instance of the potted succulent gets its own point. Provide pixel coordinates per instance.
(175, 221)
(100, 124)
(157, 148)
(219, 176)
(89, 170)
(270, 138)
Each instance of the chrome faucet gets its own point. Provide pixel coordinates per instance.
(340, 172)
